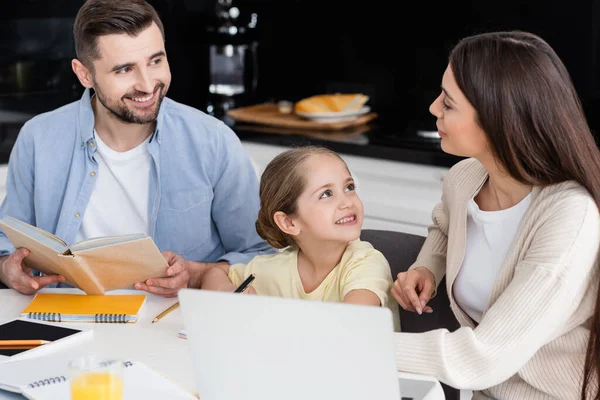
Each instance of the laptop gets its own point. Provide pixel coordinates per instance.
(269, 348)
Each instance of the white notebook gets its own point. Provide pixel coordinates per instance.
(141, 382)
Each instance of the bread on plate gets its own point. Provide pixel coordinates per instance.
(332, 103)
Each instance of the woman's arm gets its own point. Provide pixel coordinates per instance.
(536, 307)
(433, 253)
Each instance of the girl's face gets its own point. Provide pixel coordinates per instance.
(457, 121)
(329, 209)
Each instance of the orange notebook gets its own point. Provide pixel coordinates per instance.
(56, 307)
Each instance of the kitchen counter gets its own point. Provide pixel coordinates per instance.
(371, 140)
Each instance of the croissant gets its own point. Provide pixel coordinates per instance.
(331, 103)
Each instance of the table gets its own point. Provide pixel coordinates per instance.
(156, 345)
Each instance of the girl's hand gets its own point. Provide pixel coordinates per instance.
(413, 289)
(249, 290)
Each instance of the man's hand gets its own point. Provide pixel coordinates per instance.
(17, 276)
(180, 274)
(178, 277)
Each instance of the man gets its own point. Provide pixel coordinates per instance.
(127, 160)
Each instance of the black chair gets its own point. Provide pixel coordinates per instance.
(401, 250)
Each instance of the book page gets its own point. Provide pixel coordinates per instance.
(42, 257)
(20, 228)
(105, 241)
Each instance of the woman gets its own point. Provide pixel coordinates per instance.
(517, 231)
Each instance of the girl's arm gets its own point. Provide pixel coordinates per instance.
(362, 296)
(366, 279)
(217, 278)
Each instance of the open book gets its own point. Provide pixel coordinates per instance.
(94, 265)
(37, 382)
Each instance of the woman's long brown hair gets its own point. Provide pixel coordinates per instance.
(536, 127)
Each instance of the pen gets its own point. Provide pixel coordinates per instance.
(245, 284)
(168, 310)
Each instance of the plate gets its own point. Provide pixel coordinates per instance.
(330, 117)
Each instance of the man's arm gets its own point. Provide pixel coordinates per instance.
(19, 204)
(236, 202)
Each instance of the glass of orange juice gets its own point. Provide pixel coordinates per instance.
(96, 379)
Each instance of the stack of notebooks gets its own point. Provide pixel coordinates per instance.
(56, 307)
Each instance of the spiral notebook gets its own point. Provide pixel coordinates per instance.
(141, 382)
(59, 307)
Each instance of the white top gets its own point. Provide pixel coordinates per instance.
(489, 236)
(119, 201)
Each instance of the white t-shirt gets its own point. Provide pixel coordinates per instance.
(119, 201)
(489, 236)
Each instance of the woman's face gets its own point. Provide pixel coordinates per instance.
(457, 121)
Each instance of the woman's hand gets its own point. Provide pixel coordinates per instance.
(414, 288)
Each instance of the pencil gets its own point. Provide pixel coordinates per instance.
(33, 343)
(162, 314)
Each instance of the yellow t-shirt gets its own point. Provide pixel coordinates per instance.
(361, 267)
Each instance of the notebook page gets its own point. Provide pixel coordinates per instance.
(141, 382)
(17, 374)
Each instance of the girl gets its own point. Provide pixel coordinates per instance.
(517, 231)
(309, 208)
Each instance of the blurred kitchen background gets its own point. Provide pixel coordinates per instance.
(227, 54)
(230, 53)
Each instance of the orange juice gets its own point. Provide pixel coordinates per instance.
(97, 386)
